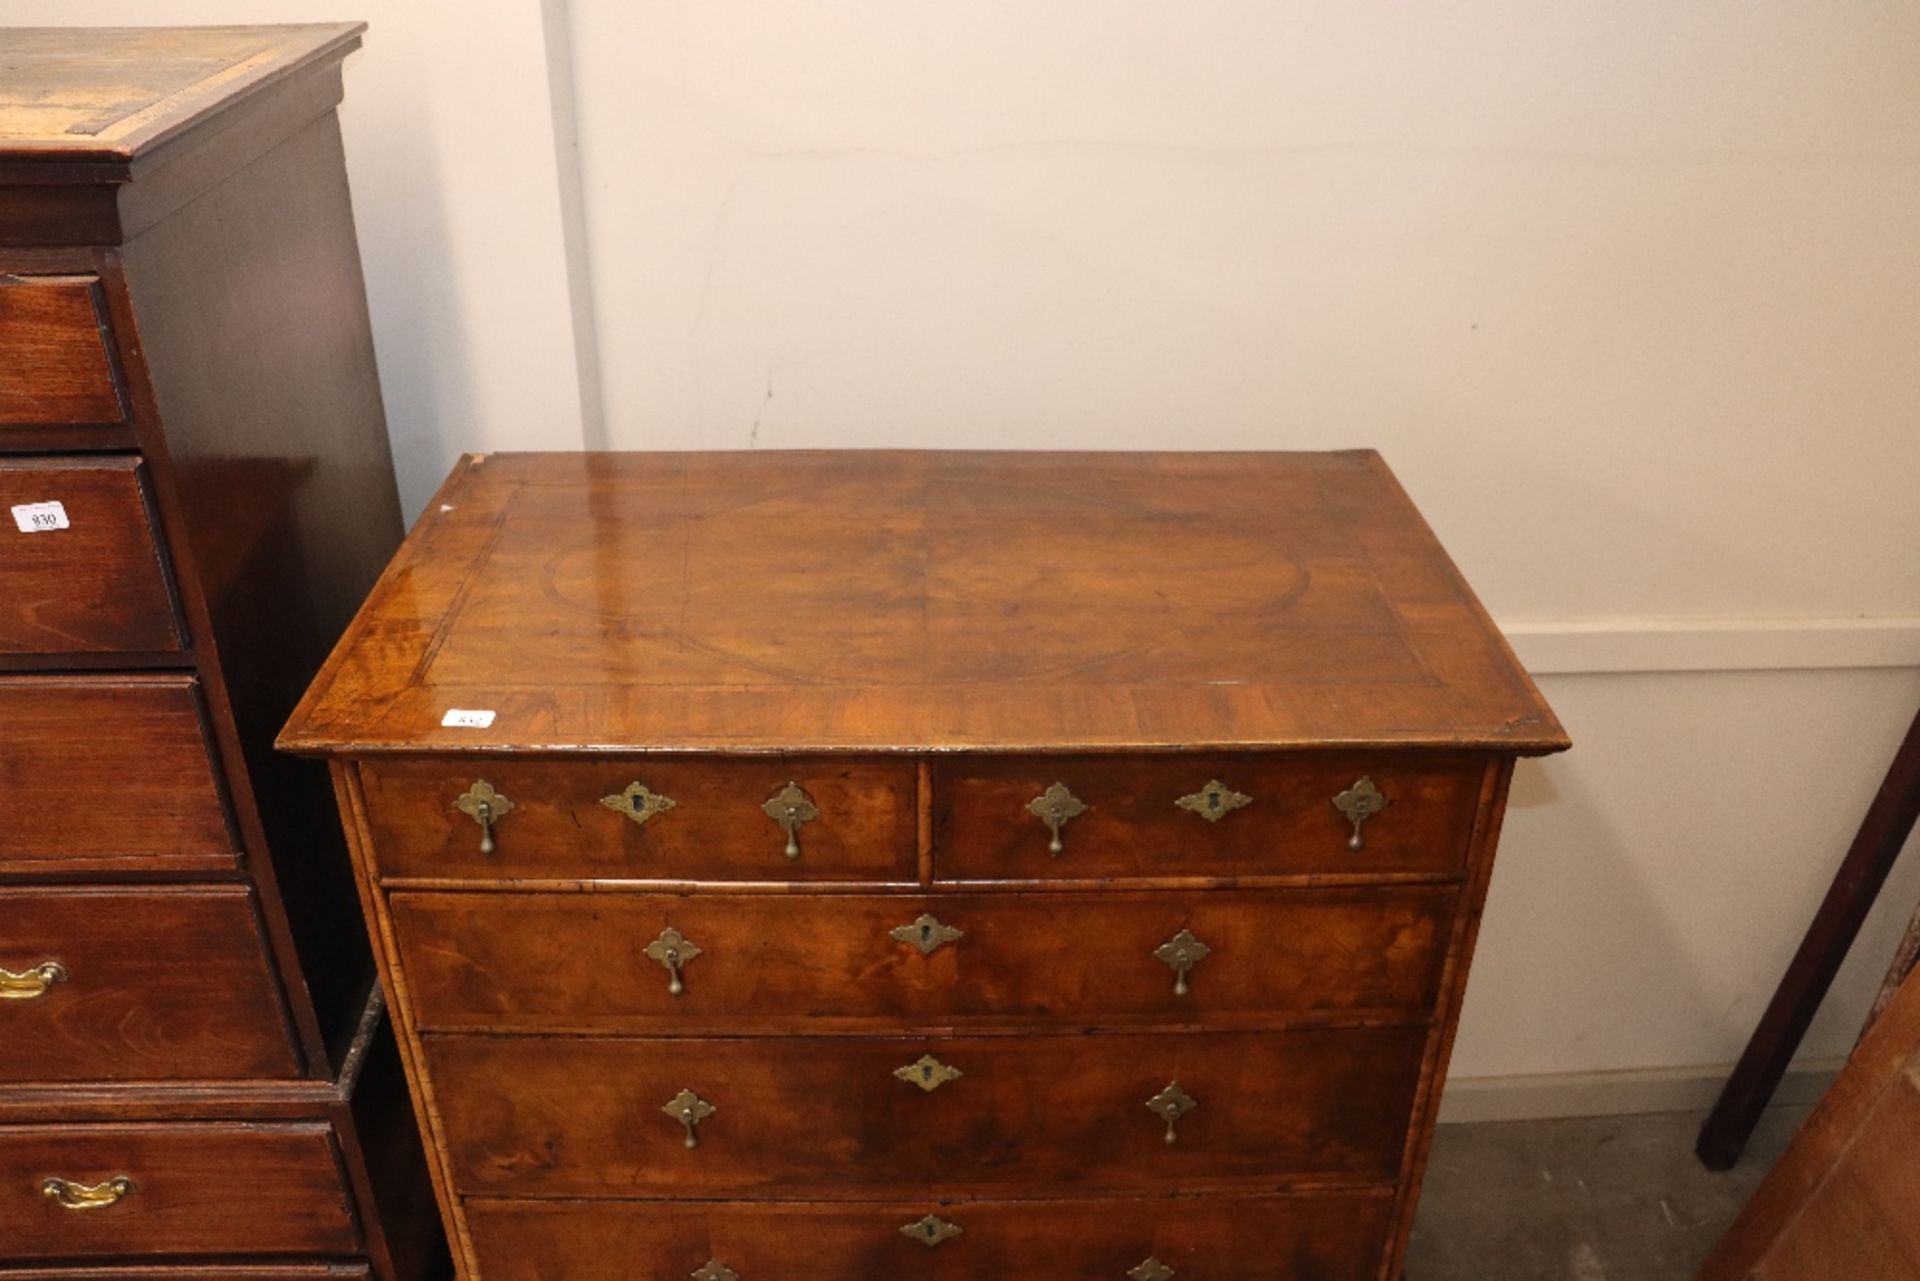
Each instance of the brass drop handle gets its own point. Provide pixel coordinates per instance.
(1056, 807)
(673, 950)
(1358, 804)
(32, 982)
(86, 1196)
(689, 1109)
(789, 808)
(1170, 1105)
(485, 806)
(1182, 952)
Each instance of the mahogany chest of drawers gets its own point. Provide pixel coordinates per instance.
(944, 865)
(195, 492)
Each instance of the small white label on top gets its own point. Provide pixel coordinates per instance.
(467, 718)
(35, 518)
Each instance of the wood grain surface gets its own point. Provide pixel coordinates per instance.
(55, 365)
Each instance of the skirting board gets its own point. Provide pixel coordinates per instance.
(1544, 1097)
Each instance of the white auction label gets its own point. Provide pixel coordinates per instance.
(35, 518)
(467, 718)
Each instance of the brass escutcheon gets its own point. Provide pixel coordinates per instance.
(1214, 801)
(790, 807)
(485, 806)
(1150, 1269)
(714, 1270)
(1182, 952)
(673, 950)
(31, 982)
(1056, 807)
(689, 1109)
(86, 1196)
(1358, 804)
(1170, 1105)
(928, 1073)
(926, 933)
(931, 1230)
(638, 802)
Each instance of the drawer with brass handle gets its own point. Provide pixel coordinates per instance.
(646, 818)
(761, 962)
(109, 774)
(170, 983)
(1021, 818)
(75, 1192)
(1326, 1236)
(814, 1117)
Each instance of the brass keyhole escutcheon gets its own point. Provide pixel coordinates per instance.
(673, 950)
(928, 1073)
(1056, 807)
(927, 933)
(931, 1230)
(485, 806)
(1214, 801)
(689, 1109)
(1150, 1269)
(714, 1270)
(1182, 952)
(1358, 804)
(1170, 1105)
(790, 807)
(638, 802)
(31, 982)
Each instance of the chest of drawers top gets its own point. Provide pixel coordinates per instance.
(921, 602)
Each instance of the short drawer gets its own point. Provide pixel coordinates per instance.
(54, 363)
(1323, 1237)
(600, 961)
(835, 1118)
(110, 773)
(86, 1191)
(654, 818)
(80, 564)
(168, 983)
(999, 819)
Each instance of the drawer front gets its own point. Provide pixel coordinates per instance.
(84, 576)
(697, 819)
(195, 1272)
(213, 1189)
(580, 961)
(1203, 815)
(1325, 1237)
(108, 773)
(150, 985)
(831, 1118)
(54, 365)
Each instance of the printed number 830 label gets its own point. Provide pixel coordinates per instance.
(36, 518)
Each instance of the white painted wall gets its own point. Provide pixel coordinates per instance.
(1628, 293)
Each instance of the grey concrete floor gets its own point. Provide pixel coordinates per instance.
(1594, 1199)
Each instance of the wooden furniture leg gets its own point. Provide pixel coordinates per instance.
(1889, 820)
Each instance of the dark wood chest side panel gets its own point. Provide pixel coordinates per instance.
(831, 1118)
(1274, 1238)
(157, 984)
(55, 364)
(212, 1189)
(704, 818)
(109, 773)
(556, 962)
(1273, 814)
(96, 585)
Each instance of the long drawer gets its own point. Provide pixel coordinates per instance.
(90, 1191)
(838, 1118)
(108, 773)
(739, 962)
(167, 983)
(80, 564)
(1245, 814)
(1327, 1237)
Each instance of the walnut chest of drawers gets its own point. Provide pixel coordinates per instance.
(945, 865)
(195, 493)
